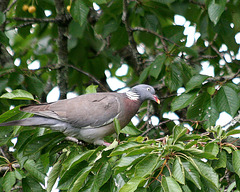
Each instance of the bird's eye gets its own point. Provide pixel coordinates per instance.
(148, 89)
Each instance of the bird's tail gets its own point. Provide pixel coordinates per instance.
(32, 121)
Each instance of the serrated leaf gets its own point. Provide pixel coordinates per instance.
(103, 174)
(71, 162)
(79, 11)
(203, 108)
(55, 173)
(222, 160)
(170, 185)
(69, 176)
(157, 65)
(227, 100)
(174, 78)
(206, 171)
(31, 167)
(40, 142)
(212, 148)
(117, 126)
(81, 177)
(236, 162)
(215, 10)
(124, 148)
(178, 131)
(18, 94)
(131, 185)
(142, 150)
(199, 153)
(192, 174)
(29, 184)
(195, 81)
(146, 166)
(183, 100)
(130, 130)
(233, 132)
(178, 171)
(8, 181)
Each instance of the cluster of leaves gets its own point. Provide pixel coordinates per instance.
(182, 162)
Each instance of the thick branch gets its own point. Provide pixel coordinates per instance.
(62, 48)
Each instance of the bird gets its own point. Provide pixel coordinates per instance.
(88, 117)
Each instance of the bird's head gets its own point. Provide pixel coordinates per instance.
(143, 92)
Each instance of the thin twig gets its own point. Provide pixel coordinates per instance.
(156, 34)
(132, 42)
(9, 7)
(89, 75)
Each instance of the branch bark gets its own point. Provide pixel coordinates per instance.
(62, 78)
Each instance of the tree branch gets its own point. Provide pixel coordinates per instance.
(62, 48)
(132, 43)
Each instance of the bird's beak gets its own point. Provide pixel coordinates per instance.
(156, 99)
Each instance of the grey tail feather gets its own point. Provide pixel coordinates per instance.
(31, 121)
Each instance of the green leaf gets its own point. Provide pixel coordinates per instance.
(192, 174)
(174, 78)
(40, 142)
(4, 39)
(183, 100)
(212, 148)
(8, 181)
(215, 10)
(117, 126)
(79, 11)
(203, 108)
(55, 173)
(31, 167)
(99, 2)
(127, 161)
(29, 184)
(236, 162)
(157, 65)
(103, 174)
(91, 89)
(170, 185)
(179, 131)
(199, 153)
(178, 171)
(81, 177)
(142, 150)
(71, 162)
(222, 160)
(131, 130)
(233, 132)
(227, 100)
(18, 94)
(146, 166)
(2, 18)
(124, 148)
(71, 174)
(131, 185)
(195, 81)
(206, 171)
(144, 74)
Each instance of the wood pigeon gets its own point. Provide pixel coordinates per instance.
(88, 117)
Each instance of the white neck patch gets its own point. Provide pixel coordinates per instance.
(132, 95)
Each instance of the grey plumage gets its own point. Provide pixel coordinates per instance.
(88, 117)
